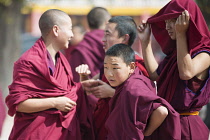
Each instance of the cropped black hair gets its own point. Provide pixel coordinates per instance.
(125, 25)
(122, 50)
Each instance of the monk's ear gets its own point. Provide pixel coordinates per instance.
(55, 30)
(126, 39)
(132, 67)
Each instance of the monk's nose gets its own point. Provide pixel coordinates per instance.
(103, 39)
(167, 26)
(109, 73)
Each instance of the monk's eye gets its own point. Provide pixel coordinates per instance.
(116, 68)
(105, 67)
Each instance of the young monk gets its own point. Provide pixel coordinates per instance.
(183, 76)
(119, 29)
(135, 110)
(47, 104)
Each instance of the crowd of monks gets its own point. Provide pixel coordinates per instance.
(100, 89)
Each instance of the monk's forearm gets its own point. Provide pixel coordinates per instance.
(61, 103)
(156, 119)
(184, 60)
(150, 61)
(36, 105)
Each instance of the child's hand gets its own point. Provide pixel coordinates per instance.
(83, 70)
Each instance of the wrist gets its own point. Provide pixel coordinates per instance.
(53, 102)
(83, 75)
(144, 44)
(112, 92)
(180, 35)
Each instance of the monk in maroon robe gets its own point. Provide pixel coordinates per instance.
(135, 109)
(46, 102)
(2, 112)
(90, 50)
(119, 29)
(101, 112)
(78, 31)
(183, 76)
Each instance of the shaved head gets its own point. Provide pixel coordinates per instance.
(50, 18)
(97, 17)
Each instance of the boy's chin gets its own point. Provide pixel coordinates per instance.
(114, 85)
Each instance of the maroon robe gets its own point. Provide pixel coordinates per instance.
(169, 85)
(131, 107)
(89, 51)
(32, 79)
(2, 112)
(101, 112)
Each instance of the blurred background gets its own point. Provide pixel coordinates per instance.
(19, 29)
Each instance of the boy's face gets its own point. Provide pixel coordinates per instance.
(111, 36)
(116, 70)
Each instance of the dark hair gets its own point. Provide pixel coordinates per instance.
(97, 17)
(122, 50)
(50, 18)
(125, 25)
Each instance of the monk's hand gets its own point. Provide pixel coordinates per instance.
(88, 85)
(83, 70)
(64, 104)
(103, 90)
(182, 23)
(144, 33)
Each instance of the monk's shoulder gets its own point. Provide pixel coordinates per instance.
(29, 57)
(138, 87)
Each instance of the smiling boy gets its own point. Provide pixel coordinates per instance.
(135, 110)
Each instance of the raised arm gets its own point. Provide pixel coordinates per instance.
(35, 105)
(151, 64)
(189, 67)
(83, 71)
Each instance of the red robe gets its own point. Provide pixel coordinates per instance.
(170, 86)
(131, 107)
(32, 79)
(89, 51)
(101, 112)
